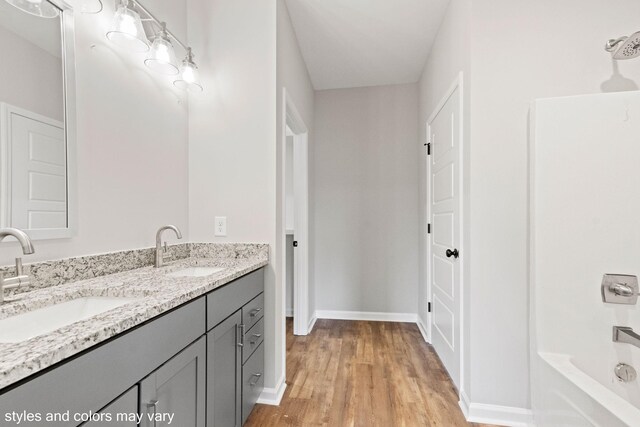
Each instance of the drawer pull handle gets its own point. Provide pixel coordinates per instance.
(254, 312)
(241, 341)
(257, 337)
(257, 377)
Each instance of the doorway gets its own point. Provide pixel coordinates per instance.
(295, 234)
(444, 210)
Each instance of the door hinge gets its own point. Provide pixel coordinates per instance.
(428, 228)
(428, 148)
(295, 243)
(429, 307)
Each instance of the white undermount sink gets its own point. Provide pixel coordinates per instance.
(22, 327)
(196, 272)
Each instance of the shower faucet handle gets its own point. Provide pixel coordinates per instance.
(620, 289)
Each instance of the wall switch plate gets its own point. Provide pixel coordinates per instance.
(221, 226)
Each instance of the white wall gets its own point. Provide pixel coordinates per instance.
(132, 146)
(33, 77)
(232, 130)
(564, 55)
(366, 207)
(292, 74)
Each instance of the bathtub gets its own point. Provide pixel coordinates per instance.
(572, 397)
(585, 206)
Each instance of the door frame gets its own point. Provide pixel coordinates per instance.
(293, 119)
(458, 84)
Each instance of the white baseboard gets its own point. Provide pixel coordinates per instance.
(312, 323)
(273, 396)
(495, 414)
(423, 329)
(367, 315)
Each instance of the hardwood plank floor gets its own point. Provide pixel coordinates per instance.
(353, 373)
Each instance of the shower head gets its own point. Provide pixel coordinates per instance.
(624, 47)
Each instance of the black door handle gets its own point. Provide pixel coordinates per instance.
(453, 253)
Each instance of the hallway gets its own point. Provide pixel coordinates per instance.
(355, 373)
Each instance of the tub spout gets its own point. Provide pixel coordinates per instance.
(626, 335)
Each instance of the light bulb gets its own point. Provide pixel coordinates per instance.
(189, 74)
(127, 30)
(188, 78)
(162, 58)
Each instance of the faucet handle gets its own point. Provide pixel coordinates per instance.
(620, 289)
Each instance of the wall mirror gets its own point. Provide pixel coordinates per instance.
(37, 118)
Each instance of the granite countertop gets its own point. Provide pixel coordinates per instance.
(157, 294)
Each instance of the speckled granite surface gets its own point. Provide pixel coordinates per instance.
(58, 272)
(156, 294)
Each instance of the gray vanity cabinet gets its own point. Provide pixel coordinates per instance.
(224, 373)
(235, 353)
(177, 388)
(202, 362)
(125, 404)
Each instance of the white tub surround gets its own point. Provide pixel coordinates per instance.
(156, 293)
(584, 224)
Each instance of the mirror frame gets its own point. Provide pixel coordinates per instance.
(69, 105)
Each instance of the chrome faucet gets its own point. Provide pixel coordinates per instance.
(626, 335)
(162, 254)
(27, 249)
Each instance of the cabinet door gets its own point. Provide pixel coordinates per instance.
(121, 412)
(224, 373)
(176, 389)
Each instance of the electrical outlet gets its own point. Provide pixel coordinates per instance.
(221, 226)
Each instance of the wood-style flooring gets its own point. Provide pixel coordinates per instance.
(353, 373)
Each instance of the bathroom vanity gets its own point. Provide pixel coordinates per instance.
(185, 348)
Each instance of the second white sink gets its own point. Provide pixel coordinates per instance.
(22, 327)
(196, 272)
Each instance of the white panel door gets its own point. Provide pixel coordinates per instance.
(444, 213)
(38, 174)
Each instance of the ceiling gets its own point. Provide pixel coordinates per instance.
(355, 43)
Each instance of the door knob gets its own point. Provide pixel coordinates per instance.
(453, 253)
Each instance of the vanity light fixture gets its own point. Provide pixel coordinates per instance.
(86, 6)
(188, 79)
(162, 57)
(39, 8)
(127, 30)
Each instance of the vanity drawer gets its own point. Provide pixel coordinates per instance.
(223, 302)
(252, 381)
(253, 311)
(252, 339)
